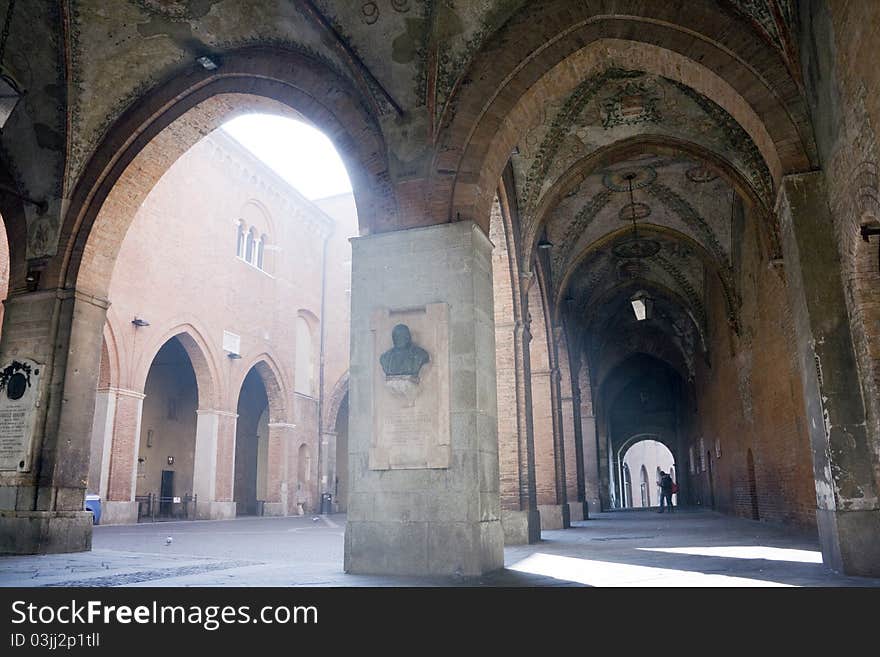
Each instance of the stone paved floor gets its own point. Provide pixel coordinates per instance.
(627, 548)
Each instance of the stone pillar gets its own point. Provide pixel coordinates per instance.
(603, 460)
(327, 472)
(440, 515)
(848, 513)
(102, 441)
(575, 467)
(569, 436)
(119, 507)
(587, 423)
(211, 465)
(226, 429)
(529, 517)
(559, 440)
(42, 493)
(281, 435)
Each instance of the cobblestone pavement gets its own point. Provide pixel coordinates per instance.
(624, 548)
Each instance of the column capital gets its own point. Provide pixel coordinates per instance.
(214, 411)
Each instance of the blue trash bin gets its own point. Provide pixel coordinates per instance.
(93, 504)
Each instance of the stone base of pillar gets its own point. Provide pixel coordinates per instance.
(849, 541)
(423, 548)
(45, 532)
(520, 527)
(554, 516)
(275, 509)
(119, 513)
(215, 510)
(577, 511)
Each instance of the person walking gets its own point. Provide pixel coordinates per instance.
(665, 491)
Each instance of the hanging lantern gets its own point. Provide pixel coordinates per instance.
(642, 305)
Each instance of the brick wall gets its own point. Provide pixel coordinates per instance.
(750, 398)
(842, 80)
(177, 268)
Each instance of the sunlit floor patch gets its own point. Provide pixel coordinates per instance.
(606, 573)
(747, 552)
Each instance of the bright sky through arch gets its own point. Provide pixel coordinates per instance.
(296, 151)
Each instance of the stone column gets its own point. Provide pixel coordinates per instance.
(587, 422)
(528, 492)
(281, 435)
(418, 507)
(42, 492)
(603, 460)
(211, 465)
(119, 507)
(227, 423)
(327, 471)
(848, 513)
(559, 439)
(102, 441)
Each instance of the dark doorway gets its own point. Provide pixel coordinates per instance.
(251, 445)
(166, 493)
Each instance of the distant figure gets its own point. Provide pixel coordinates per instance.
(404, 358)
(665, 491)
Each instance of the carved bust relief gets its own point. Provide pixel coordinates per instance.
(404, 358)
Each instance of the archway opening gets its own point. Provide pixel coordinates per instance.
(166, 450)
(648, 456)
(251, 446)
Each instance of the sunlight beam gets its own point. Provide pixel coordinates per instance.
(606, 573)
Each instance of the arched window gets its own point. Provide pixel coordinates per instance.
(303, 377)
(249, 249)
(239, 239)
(260, 245)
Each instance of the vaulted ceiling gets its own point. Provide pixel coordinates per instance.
(447, 84)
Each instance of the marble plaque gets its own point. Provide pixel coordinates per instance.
(411, 419)
(19, 385)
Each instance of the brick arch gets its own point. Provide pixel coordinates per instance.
(274, 383)
(334, 402)
(505, 91)
(664, 350)
(632, 147)
(201, 358)
(108, 374)
(637, 438)
(728, 285)
(149, 137)
(627, 287)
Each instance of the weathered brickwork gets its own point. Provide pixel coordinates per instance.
(750, 398)
(848, 141)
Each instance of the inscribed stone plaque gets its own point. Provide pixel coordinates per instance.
(411, 420)
(19, 381)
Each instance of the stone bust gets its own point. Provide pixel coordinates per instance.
(404, 358)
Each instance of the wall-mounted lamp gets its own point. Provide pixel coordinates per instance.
(642, 305)
(170, 460)
(137, 321)
(544, 243)
(233, 355)
(207, 63)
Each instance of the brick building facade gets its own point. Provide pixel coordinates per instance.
(233, 270)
